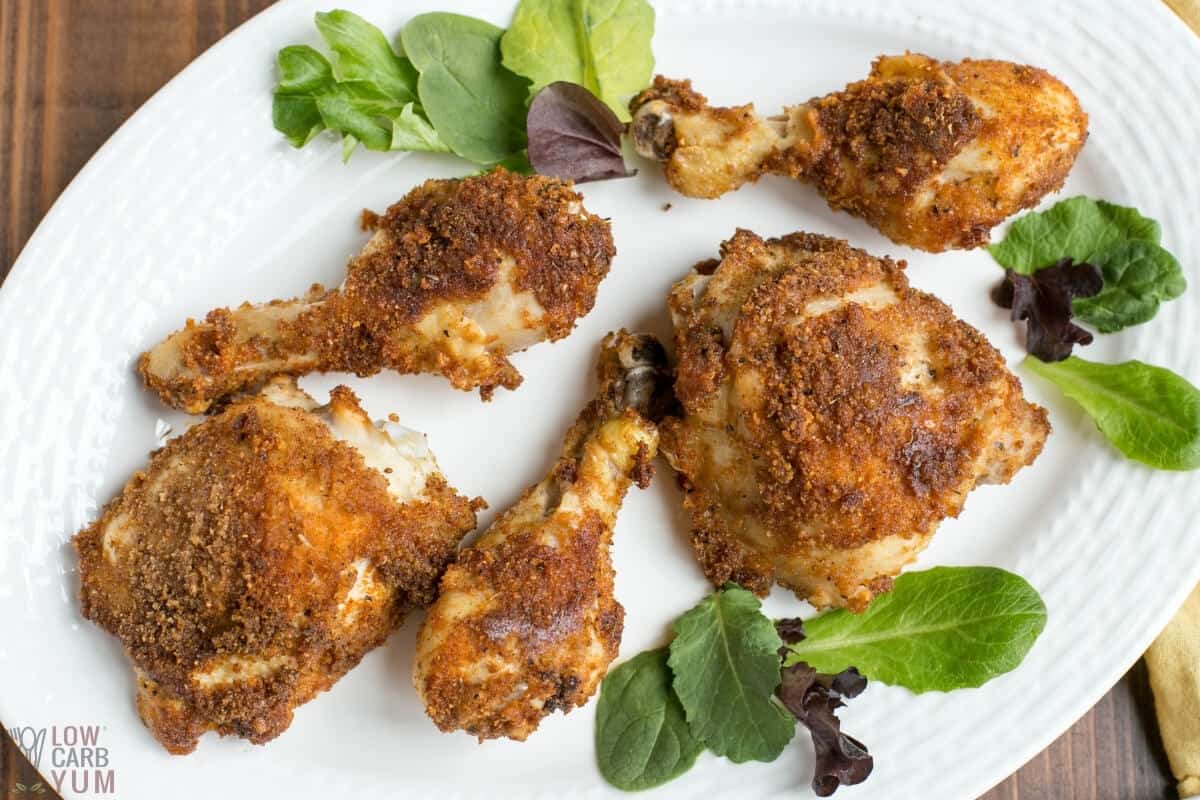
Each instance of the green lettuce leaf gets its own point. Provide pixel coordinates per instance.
(361, 53)
(725, 658)
(942, 629)
(1138, 276)
(517, 162)
(411, 131)
(1148, 413)
(361, 110)
(1079, 228)
(602, 45)
(642, 735)
(304, 75)
(476, 105)
(367, 95)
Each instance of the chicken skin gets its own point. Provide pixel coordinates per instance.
(932, 153)
(526, 623)
(261, 555)
(457, 275)
(832, 417)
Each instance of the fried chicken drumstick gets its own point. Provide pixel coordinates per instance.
(932, 153)
(833, 417)
(526, 623)
(261, 554)
(457, 275)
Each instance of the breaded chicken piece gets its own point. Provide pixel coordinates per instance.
(932, 153)
(833, 416)
(457, 275)
(526, 623)
(261, 554)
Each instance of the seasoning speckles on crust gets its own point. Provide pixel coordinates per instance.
(932, 153)
(833, 416)
(457, 275)
(526, 623)
(260, 555)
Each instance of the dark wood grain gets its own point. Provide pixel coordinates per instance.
(72, 72)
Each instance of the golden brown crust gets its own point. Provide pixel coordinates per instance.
(445, 247)
(1028, 122)
(544, 606)
(678, 93)
(893, 134)
(933, 154)
(899, 129)
(526, 623)
(229, 558)
(837, 411)
(642, 471)
(826, 425)
(447, 240)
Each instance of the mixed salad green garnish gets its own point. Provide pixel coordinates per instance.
(549, 93)
(1101, 264)
(735, 683)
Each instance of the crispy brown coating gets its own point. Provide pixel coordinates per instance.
(833, 417)
(893, 136)
(448, 239)
(254, 562)
(458, 274)
(526, 623)
(547, 601)
(933, 154)
(679, 94)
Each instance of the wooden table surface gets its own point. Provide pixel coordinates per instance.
(72, 71)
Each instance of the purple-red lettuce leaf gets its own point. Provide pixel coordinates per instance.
(1043, 300)
(574, 136)
(812, 698)
(791, 630)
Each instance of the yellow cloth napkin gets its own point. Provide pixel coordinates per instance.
(1174, 664)
(1188, 11)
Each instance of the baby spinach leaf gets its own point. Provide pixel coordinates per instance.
(725, 657)
(476, 105)
(642, 735)
(1079, 228)
(1148, 413)
(517, 162)
(1138, 276)
(942, 629)
(602, 45)
(304, 75)
(361, 53)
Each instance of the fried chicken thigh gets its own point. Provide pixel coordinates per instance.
(526, 623)
(932, 153)
(457, 275)
(832, 416)
(261, 554)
